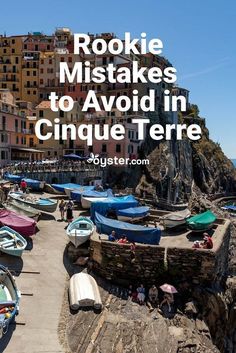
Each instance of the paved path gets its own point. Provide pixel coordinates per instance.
(41, 311)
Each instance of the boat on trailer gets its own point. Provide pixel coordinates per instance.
(201, 222)
(133, 214)
(42, 204)
(84, 292)
(175, 219)
(80, 230)
(9, 299)
(11, 242)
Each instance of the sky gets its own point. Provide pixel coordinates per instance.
(198, 37)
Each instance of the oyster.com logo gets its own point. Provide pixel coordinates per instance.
(104, 161)
(92, 157)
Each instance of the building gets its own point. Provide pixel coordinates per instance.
(11, 64)
(57, 148)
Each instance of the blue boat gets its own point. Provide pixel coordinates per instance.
(13, 178)
(133, 213)
(231, 208)
(112, 204)
(11, 242)
(34, 185)
(133, 232)
(9, 299)
(62, 187)
(76, 194)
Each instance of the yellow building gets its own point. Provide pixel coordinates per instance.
(10, 64)
(57, 148)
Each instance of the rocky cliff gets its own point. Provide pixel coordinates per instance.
(175, 166)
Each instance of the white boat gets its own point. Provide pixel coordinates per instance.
(80, 230)
(175, 219)
(42, 204)
(86, 201)
(84, 292)
(9, 299)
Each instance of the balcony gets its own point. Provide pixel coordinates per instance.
(9, 79)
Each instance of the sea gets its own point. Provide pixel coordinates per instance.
(234, 162)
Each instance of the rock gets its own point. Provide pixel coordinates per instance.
(190, 309)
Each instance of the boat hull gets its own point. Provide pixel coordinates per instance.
(12, 299)
(87, 201)
(46, 205)
(11, 242)
(22, 209)
(84, 292)
(80, 231)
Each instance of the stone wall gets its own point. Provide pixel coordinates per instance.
(155, 263)
(78, 177)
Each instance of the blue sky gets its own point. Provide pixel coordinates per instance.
(199, 40)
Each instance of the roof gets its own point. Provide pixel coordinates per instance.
(47, 105)
(27, 149)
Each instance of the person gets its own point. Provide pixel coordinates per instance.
(69, 211)
(62, 206)
(123, 240)
(132, 294)
(207, 242)
(112, 236)
(153, 294)
(141, 294)
(16, 188)
(23, 185)
(132, 251)
(167, 299)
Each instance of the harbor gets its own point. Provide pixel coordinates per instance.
(44, 305)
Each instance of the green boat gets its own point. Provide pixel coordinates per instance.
(201, 222)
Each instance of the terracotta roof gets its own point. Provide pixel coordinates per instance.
(47, 105)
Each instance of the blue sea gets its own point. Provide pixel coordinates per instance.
(234, 162)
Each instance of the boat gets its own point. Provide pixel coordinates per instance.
(63, 187)
(34, 185)
(42, 204)
(231, 208)
(11, 242)
(76, 194)
(80, 230)
(13, 178)
(201, 222)
(92, 196)
(9, 299)
(22, 209)
(133, 214)
(112, 204)
(84, 292)
(175, 219)
(21, 224)
(134, 232)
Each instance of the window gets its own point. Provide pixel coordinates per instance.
(13, 41)
(118, 148)
(17, 140)
(31, 142)
(61, 114)
(50, 61)
(28, 73)
(41, 71)
(13, 51)
(41, 113)
(62, 59)
(3, 154)
(25, 46)
(16, 125)
(42, 61)
(17, 60)
(36, 47)
(104, 148)
(48, 47)
(34, 73)
(28, 92)
(41, 81)
(34, 93)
